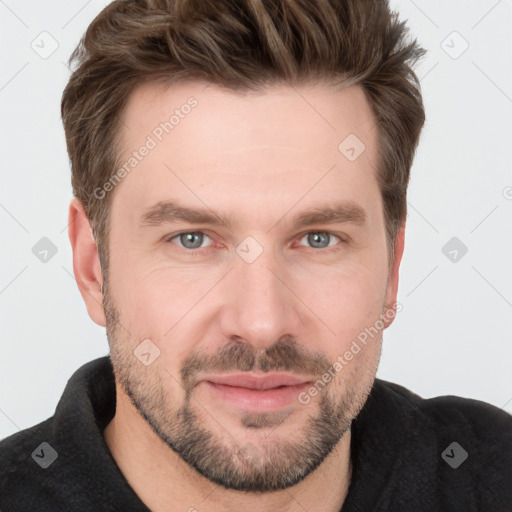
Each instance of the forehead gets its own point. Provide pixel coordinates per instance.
(226, 121)
(282, 144)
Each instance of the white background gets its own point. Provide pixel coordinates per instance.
(454, 333)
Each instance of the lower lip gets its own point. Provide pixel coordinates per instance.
(258, 400)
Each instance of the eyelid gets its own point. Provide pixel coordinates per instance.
(316, 231)
(168, 239)
(343, 239)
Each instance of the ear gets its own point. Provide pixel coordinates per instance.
(86, 262)
(392, 286)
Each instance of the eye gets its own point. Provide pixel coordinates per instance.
(193, 240)
(190, 240)
(320, 239)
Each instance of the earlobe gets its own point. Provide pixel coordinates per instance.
(392, 286)
(86, 262)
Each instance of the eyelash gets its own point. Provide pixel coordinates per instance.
(328, 249)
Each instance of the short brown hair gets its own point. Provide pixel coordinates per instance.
(243, 45)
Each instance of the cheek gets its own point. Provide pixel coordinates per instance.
(159, 304)
(348, 299)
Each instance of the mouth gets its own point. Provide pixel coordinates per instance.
(256, 393)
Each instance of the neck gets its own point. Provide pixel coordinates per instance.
(164, 482)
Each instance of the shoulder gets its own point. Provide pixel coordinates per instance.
(465, 417)
(470, 441)
(21, 454)
(15, 448)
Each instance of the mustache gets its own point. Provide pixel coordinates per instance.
(285, 355)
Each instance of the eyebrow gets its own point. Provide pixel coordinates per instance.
(170, 211)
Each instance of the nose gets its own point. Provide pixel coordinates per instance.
(260, 306)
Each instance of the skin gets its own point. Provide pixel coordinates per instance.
(261, 159)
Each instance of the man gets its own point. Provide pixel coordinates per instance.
(240, 172)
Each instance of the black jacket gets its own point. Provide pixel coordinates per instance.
(403, 449)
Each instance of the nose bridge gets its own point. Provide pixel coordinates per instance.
(260, 308)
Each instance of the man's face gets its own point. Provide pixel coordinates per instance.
(259, 289)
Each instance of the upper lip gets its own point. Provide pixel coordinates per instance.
(260, 382)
